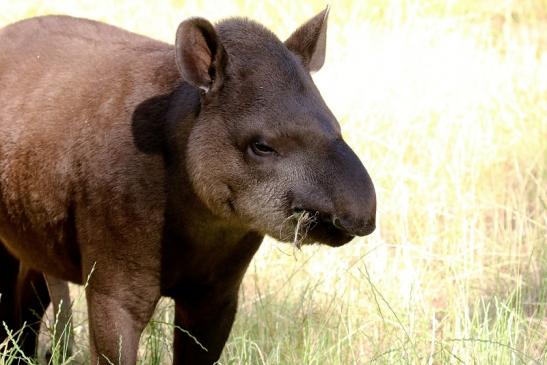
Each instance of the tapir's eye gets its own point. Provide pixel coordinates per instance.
(261, 149)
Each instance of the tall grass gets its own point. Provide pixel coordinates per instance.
(446, 104)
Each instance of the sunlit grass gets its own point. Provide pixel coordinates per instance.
(446, 104)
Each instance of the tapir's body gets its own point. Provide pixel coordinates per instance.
(48, 198)
(102, 144)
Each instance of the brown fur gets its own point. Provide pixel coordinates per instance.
(161, 168)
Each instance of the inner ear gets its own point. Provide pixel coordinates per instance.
(199, 54)
(309, 41)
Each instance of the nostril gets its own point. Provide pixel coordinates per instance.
(343, 225)
(337, 223)
(360, 228)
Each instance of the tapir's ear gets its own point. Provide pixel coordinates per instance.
(199, 54)
(309, 42)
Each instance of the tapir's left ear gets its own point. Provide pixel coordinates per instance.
(309, 42)
(200, 57)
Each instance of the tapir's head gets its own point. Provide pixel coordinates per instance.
(265, 150)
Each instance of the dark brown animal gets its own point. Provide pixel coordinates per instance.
(159, 169)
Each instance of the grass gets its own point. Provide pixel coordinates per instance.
(446, 104)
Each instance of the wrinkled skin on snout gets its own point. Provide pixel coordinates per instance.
(146, 170)
(284, 147)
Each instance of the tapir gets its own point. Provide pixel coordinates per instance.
(147, 169)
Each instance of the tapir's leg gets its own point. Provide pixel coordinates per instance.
(23, 299)
(60, 298)
(33, 299)
(120, 304)
(9, 270)
(209, 324)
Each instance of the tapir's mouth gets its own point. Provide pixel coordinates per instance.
(313, 226)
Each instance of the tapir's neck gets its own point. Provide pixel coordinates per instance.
(197, 245)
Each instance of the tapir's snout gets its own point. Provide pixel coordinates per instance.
(356, 225)
(342, 198)
(354, 195)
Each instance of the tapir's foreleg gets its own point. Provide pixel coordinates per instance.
(120, 304)
(207, 323)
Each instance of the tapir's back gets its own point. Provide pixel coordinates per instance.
(66, 48)
(68, 88)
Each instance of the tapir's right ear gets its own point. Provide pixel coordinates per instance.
(199, 54)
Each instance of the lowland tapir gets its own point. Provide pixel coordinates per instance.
(156, 170)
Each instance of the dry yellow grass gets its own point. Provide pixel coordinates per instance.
(446, 104)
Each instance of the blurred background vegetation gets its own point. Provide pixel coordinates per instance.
(446, 104)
